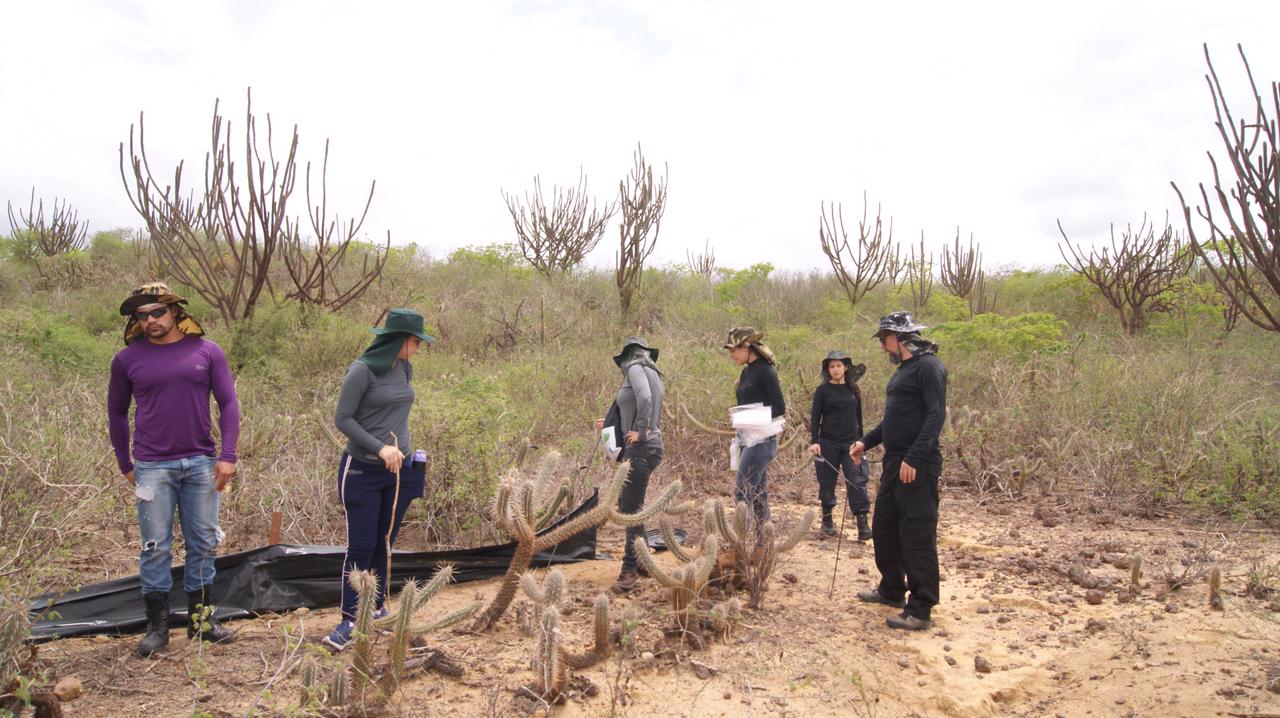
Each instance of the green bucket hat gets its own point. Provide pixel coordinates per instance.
(634, 342)
(404, 321)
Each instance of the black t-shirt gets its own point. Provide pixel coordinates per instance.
(759, 383)
(914, 411)
(837, 414)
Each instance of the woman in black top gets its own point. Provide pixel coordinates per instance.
(835, 423)
(757, 383)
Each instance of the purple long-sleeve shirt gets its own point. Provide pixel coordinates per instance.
(171, 383)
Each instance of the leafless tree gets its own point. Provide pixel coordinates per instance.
(703, 264)
(961, 266)
(1242, 249)
(316, 272)
(861, 268)
(222, 243)
(1133, 273)
(557, 237)
(61, 233)
(983, 297)
(920, 275)
(642, 202)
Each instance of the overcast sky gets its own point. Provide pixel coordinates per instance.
(997, 118)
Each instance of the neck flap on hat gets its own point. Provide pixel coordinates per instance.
(917, 344)
(381, 354)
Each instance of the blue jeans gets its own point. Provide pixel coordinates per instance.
(752, 484)
(186, 485)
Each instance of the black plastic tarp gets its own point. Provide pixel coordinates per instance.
(279, 578)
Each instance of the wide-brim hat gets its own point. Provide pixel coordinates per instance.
(852, 372)
(743, 335)
(634, 342)
(898, 323)
(150, 293)
(404, 321)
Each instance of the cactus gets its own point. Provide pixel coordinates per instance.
(517, 512)
(755, 560)
(1135, 575)
(551, 659)
(1215, 589)
(373, 682)
(688, 582)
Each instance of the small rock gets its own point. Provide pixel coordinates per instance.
(981, 664)
(1124, 598)
(951, 661)
(1093, 597)
(727, 695)
(984, 609)
(903, 662)
(1171, 607)
(1081, 577)
(779, 700)
(946, 646)
(68, 689)
(1094, 625)
(646, 656)
(789, 577)
(1273, 678)
(301, 611)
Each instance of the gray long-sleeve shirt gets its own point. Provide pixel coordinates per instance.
(640, 401)
(371, 408)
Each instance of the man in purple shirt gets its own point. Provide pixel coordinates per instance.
(170, 371)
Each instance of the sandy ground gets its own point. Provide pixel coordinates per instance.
(1009, 602)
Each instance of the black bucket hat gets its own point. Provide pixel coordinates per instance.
(404, 321)
(898, 323)
(852, 372)
(634, 342)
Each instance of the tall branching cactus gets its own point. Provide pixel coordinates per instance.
(755, 553)
(552, 660)
(520, 515)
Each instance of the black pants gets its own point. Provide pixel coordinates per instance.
(368, 493)
(905, 532)
(644, 459)
(855, 477)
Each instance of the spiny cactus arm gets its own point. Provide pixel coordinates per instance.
(340, 688)
(524, 492)
(683, 507)
(502, 508)
(553, 675)
(447, 620)
(710, 549)
(602, 648)
(673, 544)
(614, 488)
(725, 528)
(401, 635)
(798, 532)
(592, 518)
(649, 510)
(553, 507)
(645, 558)
(547, 595)
(366, 588)
(507, 591)
(547, 468)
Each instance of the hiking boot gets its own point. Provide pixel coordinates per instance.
(907, 622)
(828, 524)
(864, 527)
(874, 596)
(157, 637)
(340, 636)
(200, 621)
(626, 581)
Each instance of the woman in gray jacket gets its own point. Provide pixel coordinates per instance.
(640, 408)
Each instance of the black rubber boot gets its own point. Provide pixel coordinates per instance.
(864, 528)
(157, 624)
(200, 622)
(828, 524)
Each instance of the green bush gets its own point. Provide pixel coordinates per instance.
(996, 335)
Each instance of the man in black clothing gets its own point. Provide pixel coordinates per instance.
(905, 526)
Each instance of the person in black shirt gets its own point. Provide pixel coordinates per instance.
(905, 529)
(757, 383)
(835, 423)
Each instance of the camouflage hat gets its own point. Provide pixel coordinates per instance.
(743, 335)
(149, 293)
(897, 323)
(852, 372)
(634, 342)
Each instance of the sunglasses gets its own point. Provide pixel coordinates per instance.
(154, 314)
